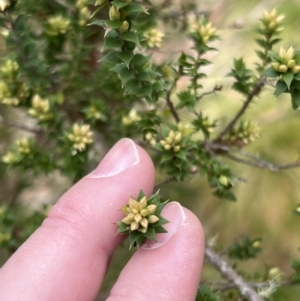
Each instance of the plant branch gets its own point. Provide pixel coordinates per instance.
(255, 91)
(18, 126)
(213, 91)
(227, 271)
(170, 103)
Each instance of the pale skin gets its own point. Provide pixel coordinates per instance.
(67, 257)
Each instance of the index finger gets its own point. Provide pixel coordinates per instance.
(66, 258)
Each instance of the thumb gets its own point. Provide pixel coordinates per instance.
(66, 258)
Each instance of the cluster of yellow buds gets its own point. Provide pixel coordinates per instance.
(204, 28)
(244, 134)
(40, 108)
(286, 61)
(81, 136)
(4, 4)
(20, 148)
(84, 12)
(4, 237)
(272, 22)
(93, 113)
(208, 124)
(172, 142)
(23, 146)
(150, 138)
(154, 38)
(10, 157)
(185, 128)
(139, 215)
(57, 25)
(168, 72)
(23, 91)
(9, 68)
(5, 95)
(131, 118)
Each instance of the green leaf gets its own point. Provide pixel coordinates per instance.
(280, 88)
(114, 24)
(150, 234)
(297, 76)
(131, 37)
(111, 57)
(126, 57)
(119, 68)
(126, 75)
(270, 72)
(288, 77)
(100, 23)
(119, 4)
(112, 42)
(135, 8)
(295, 94)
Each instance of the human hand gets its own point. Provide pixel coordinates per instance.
(66, 258)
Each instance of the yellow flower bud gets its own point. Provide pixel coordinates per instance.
(144, 212)
(256, 244)
(153, 219)
(275, 66)
(148, 136)
(291, 63)
(296, 69)
(128, 219)
(134, 226)
(178, 137)
(151, 209)
(167, 147)
(224, 180)
(172, 134)
(114, 14)
(138, 218)
(124, 27)
(176, 148)
(163, 142)
(144, 223)
(283, 68)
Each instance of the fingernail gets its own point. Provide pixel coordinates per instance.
(121, 156)
(174, 213)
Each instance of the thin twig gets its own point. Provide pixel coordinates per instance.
(224, 285)
(163, 182)
(213, 91)
(252, 160)
(170, 103)
(226, 270)
(255, 91)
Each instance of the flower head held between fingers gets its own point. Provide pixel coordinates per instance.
(142, 219)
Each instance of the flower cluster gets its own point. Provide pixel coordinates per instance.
(172, 141)
(154, 38)
(20, 149)
(142, 219)
(271, 22)
(204, 29)
(9, 69)
(57, 25)
(81, 137)
(40, 108)
(150, 138)
(83, 11)
(245, 133)
(131, 118)
(285, 61)
(139, 215)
